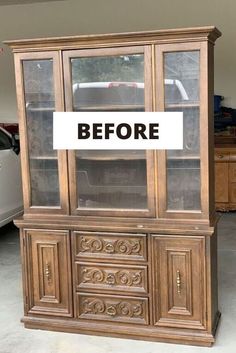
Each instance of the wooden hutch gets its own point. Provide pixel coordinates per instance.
(225, 174)
(119, 243)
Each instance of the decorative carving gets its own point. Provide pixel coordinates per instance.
(112, 277)
(110, 246)
(95, 306)
(111, 310)
(121, 308)
(93, 275)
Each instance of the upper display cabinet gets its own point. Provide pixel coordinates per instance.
(149, 71)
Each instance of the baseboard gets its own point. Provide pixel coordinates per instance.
(167, 335)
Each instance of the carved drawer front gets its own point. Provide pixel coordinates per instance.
(49, 267)
(115, 246)
(120, 309)
(107, 277)
(179, 282)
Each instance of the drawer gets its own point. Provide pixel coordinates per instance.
(221, 156)
(115, 246)
(112, 308)
(93, 276)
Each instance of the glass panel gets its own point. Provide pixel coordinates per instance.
(112, 83)
(110, 179)
(181, 70)
(40, 104)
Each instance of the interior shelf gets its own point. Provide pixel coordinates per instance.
(112, 155)
(120, 107)
(40, 158)
(183, 158)
(181, 105)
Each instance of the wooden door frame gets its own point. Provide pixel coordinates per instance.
(146, 51)
(25, 157)
(206, 140)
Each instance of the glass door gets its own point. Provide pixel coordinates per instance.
(178, 88)
(45, 182)
(114, 182)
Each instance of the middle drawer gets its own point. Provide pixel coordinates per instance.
(123, 278)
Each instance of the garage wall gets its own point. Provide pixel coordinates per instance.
(71, 17)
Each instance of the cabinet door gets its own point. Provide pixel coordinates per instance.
(232, 172)
(49, 270)
(221, 182)
(110, 182)
(45, 183)
(181, 85)
(179, 293)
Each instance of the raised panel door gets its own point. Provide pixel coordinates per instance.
(179, 282)
(49, 268)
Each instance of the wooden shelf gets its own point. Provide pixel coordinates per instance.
(120, 107)
(112, 155)
(53, 109)
(40, 158)
(184, 158)
(182, 105)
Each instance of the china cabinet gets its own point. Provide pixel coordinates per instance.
(120, 242)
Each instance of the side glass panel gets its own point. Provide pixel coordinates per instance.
(40, 104)
(114, 179)
(181, 72)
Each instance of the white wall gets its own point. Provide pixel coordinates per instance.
(71, 17)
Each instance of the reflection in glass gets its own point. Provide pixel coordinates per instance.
(112, 179)
(182, 94)
(115, 179)
(40, 104)
(112, 83)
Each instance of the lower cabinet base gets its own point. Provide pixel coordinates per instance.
(160, 287)
(151, 333)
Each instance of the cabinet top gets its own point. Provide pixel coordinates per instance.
(207, 33)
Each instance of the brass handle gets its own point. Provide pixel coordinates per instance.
(220, 156)
(178, 281)
(48, 273)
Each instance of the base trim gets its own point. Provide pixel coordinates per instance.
(183, 336)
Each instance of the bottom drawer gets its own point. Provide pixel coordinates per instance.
(112, 308)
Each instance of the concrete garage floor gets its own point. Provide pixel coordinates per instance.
(14, 338)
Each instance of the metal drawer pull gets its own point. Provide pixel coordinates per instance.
(178, 282)
(48, 273)
(220, 156)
